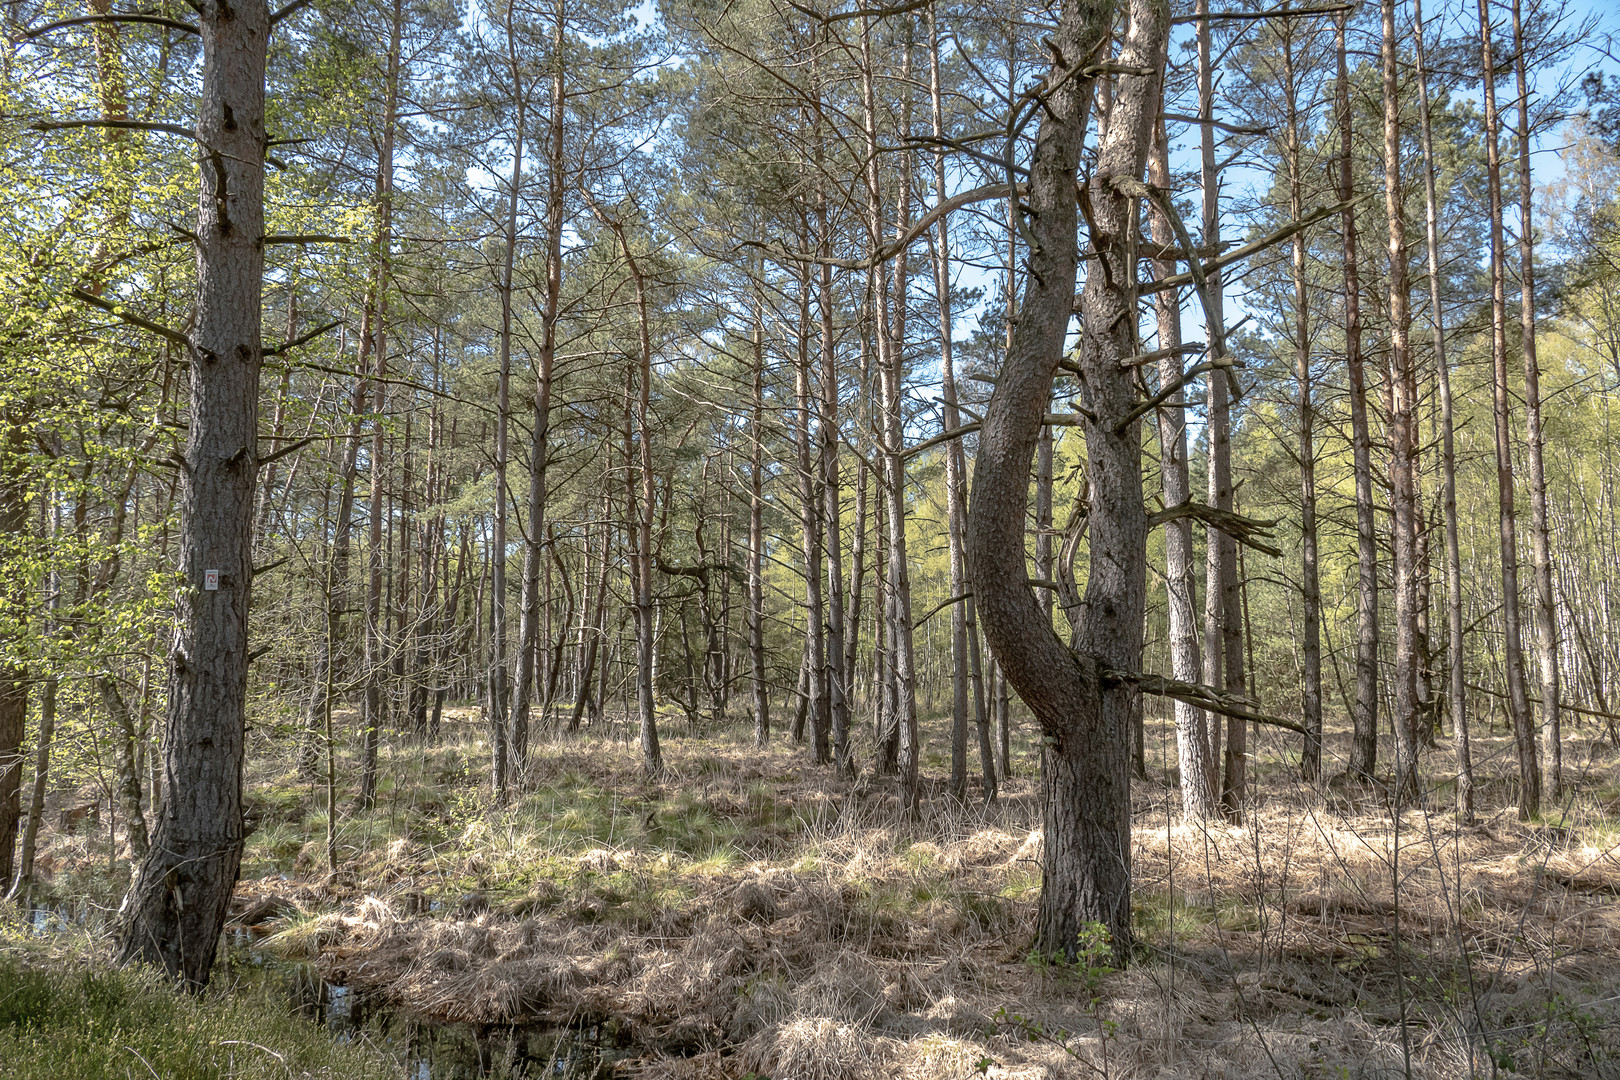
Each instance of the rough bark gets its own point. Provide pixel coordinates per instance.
(1085, 721)
(1402, 435)
(177, 902)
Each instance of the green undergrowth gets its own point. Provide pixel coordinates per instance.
(85, 1021)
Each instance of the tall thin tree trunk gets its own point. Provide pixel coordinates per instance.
(1402, 435)
(1518, 699)
(1552, 746)
(1223, 637)
(891, 335)
(756, 535)
(1364, 711)
(817, 700)
(1457, 683)
(954, 481)
(1200, 798)
(652, 757)
(1309, 574)
(375, 649)
(525, 673)
(499, 733)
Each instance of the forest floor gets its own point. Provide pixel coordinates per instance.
(748, 914)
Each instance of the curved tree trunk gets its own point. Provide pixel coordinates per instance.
(1086, 720)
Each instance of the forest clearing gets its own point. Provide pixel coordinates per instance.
(785, 540)
(744, 915)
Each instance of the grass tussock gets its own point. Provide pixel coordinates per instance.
(89, 1022)
(746, 913)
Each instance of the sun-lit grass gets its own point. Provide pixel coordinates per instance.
(84, 1021)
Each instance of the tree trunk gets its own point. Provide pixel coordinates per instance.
(1402, 436)
(828, 480)
(1364, 713)
(890, 339)
(125, 753)
(954, 485)
(498, 689)
(756, 536)
(14, 676)
(539, 449)
(1518, 699)
(24, 878)
(1223, 637)
(1309, 576)
(817, 701)
(1085, 719)
(641, 507)
(1552, 746)
(177, 902)
(1457, 684)
(1200, 799)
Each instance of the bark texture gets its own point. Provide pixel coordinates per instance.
(1085, 720)
(177, 902)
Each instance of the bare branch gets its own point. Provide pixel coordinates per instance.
(131, 125)
(1245, 530)
(290, 448)
(306, 339)
(89, 20)
(1274, 13)
(1205, 697)
(134, 320)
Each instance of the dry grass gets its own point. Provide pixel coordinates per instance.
(747, 913)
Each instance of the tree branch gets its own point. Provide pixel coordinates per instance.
(1178, 118)
(306, 238)
(1205, 697)
(1251, 248)
(290, 448)
(859, 13)
(918, 227)
(1245, 530)
(131, 125)
(1176, 387)
(286, 346)
(134, 320)
(84, 20)
(288, 10)
(1273, 13)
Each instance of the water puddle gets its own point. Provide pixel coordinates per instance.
(430, 1049)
